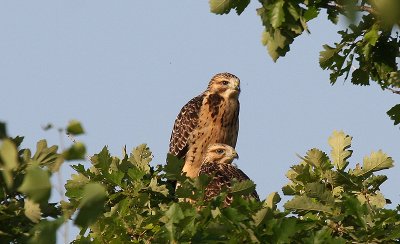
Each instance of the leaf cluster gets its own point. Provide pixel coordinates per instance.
(343, 203)
(126, 199)
(25, 190)
(369, 46)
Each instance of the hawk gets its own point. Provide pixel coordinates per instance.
(217, 163)
(211, 117)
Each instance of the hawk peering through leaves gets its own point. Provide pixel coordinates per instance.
(217, 163)
(211, 117)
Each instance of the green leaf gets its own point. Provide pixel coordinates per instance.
(45, 231)
(374, 181)
(36, 184)
(272, 200)
(174, 213)
(225, 6)
(311, 13)
(285, 230)
(375, 162)
(326, 56)
(3, 130)
(91, 205)
(44, 155)
(394, 114)
(32, 210)
(318, 190)
(372, 36)
(318, 159)
(262, 215)
(8, 160)
(276, 42)
(303, 203)
(377, 199)
(75, 152)
(294, 11)
(360, 77)
(141, 157)
(75, 186)
(75, 128)
(115, 177)
(102, 160)
(135, 173)
(242, 188)
(323, 236)
(277, 14)
(339, 142)
(158, 188)
(355, 208)
(173, 168)
(289, 189)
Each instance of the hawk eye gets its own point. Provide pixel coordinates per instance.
(220, 151)
(225, 82)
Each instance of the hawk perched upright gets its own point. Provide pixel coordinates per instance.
(211, 117)
(217, 163)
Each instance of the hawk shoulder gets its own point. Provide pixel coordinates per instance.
(186, 121)
(222, 176)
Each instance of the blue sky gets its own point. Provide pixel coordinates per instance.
(125, 69)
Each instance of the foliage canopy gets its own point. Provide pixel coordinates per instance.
(368, 48)
(126, 199)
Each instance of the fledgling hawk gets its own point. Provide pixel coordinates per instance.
(217, 163)
(211, 117)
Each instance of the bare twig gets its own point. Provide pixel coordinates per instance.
(60, 184)
(356, 8)
(393, 90)
(72, 138)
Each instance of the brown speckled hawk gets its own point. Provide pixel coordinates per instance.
(211, 117)
(217, 163)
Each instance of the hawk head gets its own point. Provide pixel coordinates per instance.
(225, 84)
(220, 153)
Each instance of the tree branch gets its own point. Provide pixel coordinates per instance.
(393, 90)
(355, 7)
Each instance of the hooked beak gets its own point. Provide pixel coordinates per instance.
(236, 86)
(235, 155)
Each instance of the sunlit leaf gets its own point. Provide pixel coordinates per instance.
(375, 162)
(272, 199)
(141, 157)
(277, 13)
(32, 210)
(339, 143)
(9, 160)
(225, 6)
(44, 155)
(154, 186)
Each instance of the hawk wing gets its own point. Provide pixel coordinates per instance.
(185, 123)
(223, 174)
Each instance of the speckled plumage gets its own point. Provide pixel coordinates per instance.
(217, 163)
(212, 117)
